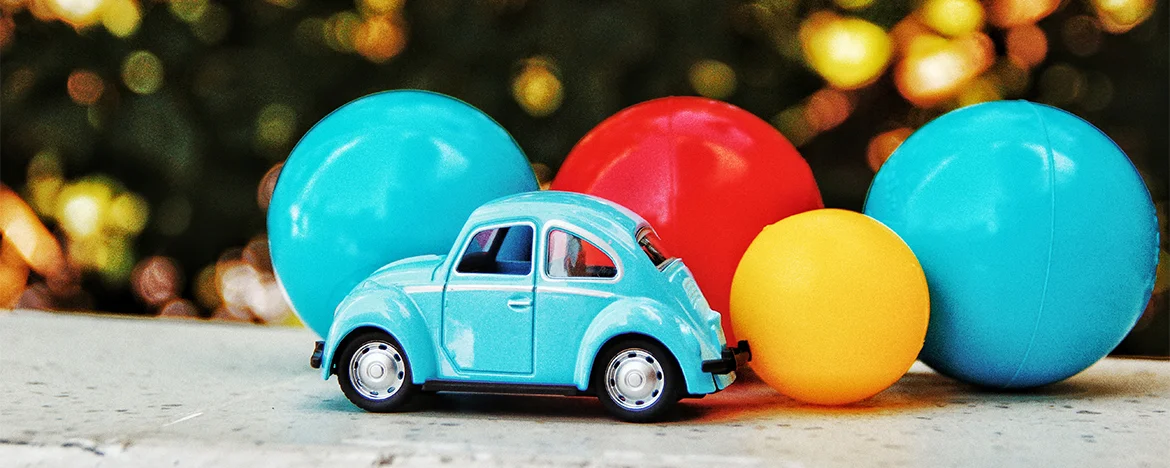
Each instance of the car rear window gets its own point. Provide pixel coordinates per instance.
(652, 246)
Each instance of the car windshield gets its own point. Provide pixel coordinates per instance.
(652, 246)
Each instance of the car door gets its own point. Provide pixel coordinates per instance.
(488, 303)
(579, 278)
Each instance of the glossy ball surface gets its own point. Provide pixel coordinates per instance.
(1037, 235)
(833, 304)
(385, 177)
(707, 175)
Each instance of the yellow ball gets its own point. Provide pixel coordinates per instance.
(834, 305)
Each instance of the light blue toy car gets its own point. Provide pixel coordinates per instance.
(542, 293)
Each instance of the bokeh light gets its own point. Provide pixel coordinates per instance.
(79, 13)
(1061, 84)
(275, 125)
(85, 87)
(1027, 45)
(121, 17)
(883, 145)
(712, 78)
(853, 4)
(927, 77)
(81, 207)
(952, 18)
(213, 24)
(340, 29)
(128, 213)
(848, 52)
(1082, 35)
(156, 280)
(826, 109)
(267, 186)
(1119, 16)
(379, 39)
(142, 72)
(536, 88)
(1010, 13)
(188, 11)
(7, 31)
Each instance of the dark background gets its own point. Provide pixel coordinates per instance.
(187, 130)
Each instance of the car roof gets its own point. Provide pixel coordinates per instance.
(588, 211)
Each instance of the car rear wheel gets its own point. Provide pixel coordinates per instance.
(640, 381)
(374, 373)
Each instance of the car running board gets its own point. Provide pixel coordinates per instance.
(500, 388)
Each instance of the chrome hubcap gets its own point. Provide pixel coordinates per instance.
(376, 370)
(634, 379)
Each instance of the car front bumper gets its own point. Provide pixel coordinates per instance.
(731, 358)
(318, 352)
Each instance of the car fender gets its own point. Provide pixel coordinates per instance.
(389, 309)
(676, 331)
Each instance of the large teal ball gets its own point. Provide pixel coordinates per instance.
(1037, 236)
(385, 177)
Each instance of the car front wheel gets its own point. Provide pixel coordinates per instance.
(374, 373)
(640, 381)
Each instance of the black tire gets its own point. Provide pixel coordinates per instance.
(379, 353)
(640, 398)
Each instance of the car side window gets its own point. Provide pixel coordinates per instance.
(570, 256)
(503, 250)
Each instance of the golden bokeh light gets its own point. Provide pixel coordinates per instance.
(792, 125)
(84, 87)
(128, 213)
(848, 52)
(826, 109)
(81, 207)
(142, 72)
(213, 25)
(1119, 16)
(340, 30)
(1027, 45)
(853, 4)
(121, 17)
(79, 13)
(883, 145)
(7, 31)
(275, 125)
(979, 90)
(537, 88)
(712, 78)
(927, 77)
(1011, 13)
(188, 11)
(23, 231)
(206, 289)
(952, 18)
(379, 39)
(13, 275)
(379, 7)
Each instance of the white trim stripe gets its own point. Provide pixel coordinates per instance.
(577, 291)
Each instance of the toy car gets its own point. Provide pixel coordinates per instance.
(542, 293)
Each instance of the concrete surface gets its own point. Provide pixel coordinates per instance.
(85, 390)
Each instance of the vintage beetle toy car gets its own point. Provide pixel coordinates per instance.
(542, 293)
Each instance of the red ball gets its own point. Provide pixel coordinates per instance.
(706, 174)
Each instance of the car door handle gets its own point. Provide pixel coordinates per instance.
(519, 303)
